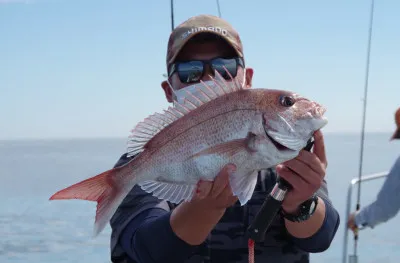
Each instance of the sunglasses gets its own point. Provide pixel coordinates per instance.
(193, 71)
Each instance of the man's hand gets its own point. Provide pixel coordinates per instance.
(216, 194)
(305, 175)
(193, 221)
(351, 222)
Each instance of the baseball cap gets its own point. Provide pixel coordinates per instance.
(202, 24)
(396, 134)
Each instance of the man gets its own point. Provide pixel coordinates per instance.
(212, 227)
(387, 204)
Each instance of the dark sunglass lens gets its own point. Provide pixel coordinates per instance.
(230, 65)
(190, 71)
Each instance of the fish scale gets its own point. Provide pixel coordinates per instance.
(251, 128)
(205, 134)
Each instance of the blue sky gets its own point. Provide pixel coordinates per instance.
(72, 68)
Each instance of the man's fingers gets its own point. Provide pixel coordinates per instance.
(319, 147)
(311, 161)
(217, 193)
(226, 196)
(203, 189)
(301, 169)
(222, 180)
(292, 178)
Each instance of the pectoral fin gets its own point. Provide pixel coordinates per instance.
(231, 148)
(243, 185)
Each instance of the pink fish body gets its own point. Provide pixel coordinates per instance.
(253, 128)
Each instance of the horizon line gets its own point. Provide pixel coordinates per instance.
(63, 138)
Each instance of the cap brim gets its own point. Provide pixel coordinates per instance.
(179, 49)
(396, 134)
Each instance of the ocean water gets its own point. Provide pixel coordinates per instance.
(33, 229)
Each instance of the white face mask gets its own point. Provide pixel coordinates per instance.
(180, 95)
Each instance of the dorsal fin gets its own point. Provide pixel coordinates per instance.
(145, 130)
(207, 93)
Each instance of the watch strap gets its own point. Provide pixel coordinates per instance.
(306, 210)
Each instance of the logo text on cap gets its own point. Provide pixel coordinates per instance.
(215, 29)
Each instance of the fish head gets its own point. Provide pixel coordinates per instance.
(290, 120)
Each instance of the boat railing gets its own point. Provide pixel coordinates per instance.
(353, 182)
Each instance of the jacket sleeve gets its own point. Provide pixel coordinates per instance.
(387, 203)
(141, 230)
(322, 239)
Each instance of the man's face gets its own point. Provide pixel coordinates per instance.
(204, 51)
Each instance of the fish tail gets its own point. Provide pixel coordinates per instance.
(102, 189)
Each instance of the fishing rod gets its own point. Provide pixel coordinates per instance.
(172, 27)
(172, 15)
(363, 120)
(219, 9)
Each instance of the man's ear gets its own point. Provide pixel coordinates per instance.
(167, 90)
(249, 77)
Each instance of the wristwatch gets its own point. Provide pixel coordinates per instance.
(305, 211)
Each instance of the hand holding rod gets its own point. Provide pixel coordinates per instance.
(271, 206)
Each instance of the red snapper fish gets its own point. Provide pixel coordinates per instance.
(252, 128)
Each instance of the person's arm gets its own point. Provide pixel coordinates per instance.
(152, 233)
(150, 238)
(387, 204)
(324, 224)
(141, 229)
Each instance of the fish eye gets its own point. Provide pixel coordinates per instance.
(286, 101)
